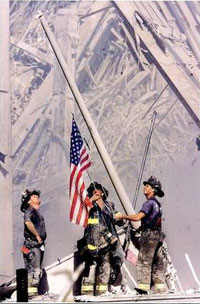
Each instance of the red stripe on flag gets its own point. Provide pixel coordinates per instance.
(84, 159)
(85, 167)
(81, 205)
(88, 203)
(71, 179)
(82, 151)
(80, 161)
(76, 193)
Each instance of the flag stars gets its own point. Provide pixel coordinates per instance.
(76, 145)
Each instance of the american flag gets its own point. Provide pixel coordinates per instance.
(79, 162)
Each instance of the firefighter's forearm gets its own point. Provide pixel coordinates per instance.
(130, 217)
(32, 229)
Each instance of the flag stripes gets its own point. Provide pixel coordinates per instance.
(79, 162)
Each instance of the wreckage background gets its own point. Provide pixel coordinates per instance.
(119, 83)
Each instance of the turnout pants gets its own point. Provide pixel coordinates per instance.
(97, 275)
(152, 263)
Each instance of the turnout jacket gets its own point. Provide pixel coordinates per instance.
(100, 233)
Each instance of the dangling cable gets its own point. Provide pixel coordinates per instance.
(144, 159)
(155, 101)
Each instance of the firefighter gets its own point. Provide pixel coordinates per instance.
(104, 253)
(151, 266)
(35, 235)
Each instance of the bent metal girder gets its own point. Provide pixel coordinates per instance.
(178, 81)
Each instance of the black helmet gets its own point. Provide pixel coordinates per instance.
(98, 186)
(26, 197)
(156, 184)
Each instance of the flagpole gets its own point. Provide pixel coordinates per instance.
(121, 193)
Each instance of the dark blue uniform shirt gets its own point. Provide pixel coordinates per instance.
(153, 212)
(34, 216)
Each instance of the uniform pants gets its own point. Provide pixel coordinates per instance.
(96, 281)
(152, 263)
(33, 262)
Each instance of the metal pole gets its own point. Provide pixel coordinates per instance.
(22, 285)
(144, 159)
(6, 217)
(122, 195)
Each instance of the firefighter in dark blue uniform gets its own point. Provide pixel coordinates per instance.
(35, 236)
(152, 263)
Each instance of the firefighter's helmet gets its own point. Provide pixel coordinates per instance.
(155, 184)
(26, 197)
(98, 186)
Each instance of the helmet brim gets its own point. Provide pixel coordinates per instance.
(98, 186)
(159, 192)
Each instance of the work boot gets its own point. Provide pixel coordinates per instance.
(160, 291)
(106, 294)
(32, 291)
(141, 291)
(160, 288)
